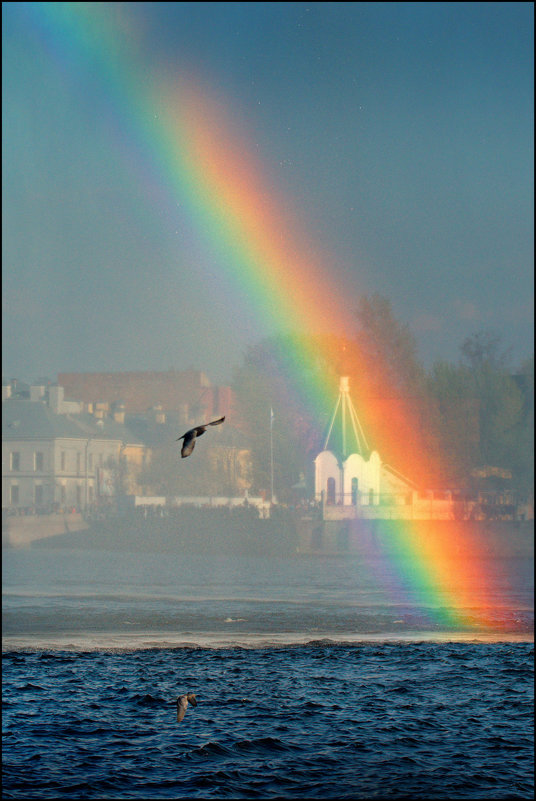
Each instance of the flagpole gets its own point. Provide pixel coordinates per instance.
(271, 456)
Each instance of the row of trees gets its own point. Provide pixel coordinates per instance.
(448, 426)
(468, 424)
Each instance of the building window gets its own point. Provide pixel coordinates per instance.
(14, 461)
(38, 494)
(90, 461)
(78, 463)
(62, 460)
(62, 494)
(14, 494)
(39, 461)
(78, 497)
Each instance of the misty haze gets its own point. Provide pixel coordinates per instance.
(303, 233)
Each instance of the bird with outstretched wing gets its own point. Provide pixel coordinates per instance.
(190, 437)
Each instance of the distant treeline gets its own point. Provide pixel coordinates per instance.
(474, 419)
(467, 425)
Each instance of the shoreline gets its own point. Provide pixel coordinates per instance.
(21, 531)
(209, 531)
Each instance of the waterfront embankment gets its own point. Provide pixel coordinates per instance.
(500, 539)
(185, 529)
(241, 531)
(21, 531)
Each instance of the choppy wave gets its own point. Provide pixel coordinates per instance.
(320, 720)
(310, 683)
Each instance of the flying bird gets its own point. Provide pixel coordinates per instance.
(182, 704)
(191, 436)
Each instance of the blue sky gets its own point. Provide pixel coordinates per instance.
(403, 133)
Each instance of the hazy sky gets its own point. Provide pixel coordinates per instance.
(403, 133)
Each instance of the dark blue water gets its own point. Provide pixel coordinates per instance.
(323, 720)
(315, 679)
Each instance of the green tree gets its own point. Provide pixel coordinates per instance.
(523, 451)
(388, 347)
(456, 420)
(404, 429)
(499, 396)
(484, 349)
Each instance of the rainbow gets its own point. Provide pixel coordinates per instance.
(184, 140)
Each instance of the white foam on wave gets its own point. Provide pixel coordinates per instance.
(215, 640)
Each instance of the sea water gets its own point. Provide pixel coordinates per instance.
(311, 679)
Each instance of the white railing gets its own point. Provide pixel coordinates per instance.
(413, 505)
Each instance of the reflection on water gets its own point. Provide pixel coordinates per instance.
(97, 597)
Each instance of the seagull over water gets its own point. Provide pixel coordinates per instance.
(182, 704)
(191, 436)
